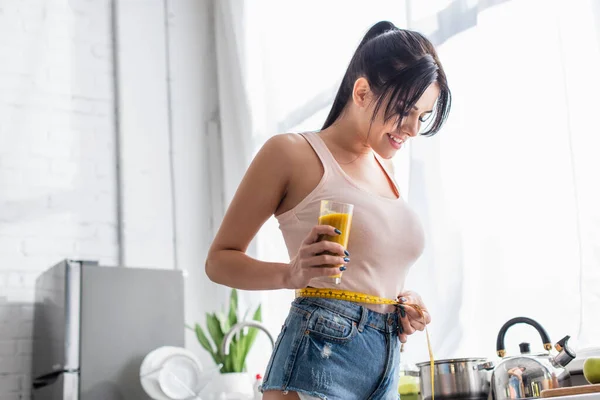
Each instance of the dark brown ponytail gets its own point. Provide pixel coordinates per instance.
(399, 65)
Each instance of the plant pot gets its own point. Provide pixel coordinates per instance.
(234, 385)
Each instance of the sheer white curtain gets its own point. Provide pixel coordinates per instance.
(506, 191)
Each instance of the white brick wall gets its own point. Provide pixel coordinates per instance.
(58, 187)
(57, 157)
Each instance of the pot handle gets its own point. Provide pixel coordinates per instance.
(487, 366)
(500, 348)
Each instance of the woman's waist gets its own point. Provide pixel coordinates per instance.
(360, 276)
(349, 293)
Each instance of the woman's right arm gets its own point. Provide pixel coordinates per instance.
(257, 198)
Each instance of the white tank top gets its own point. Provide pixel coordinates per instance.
(386, 236)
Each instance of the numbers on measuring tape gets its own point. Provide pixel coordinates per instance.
(344, 295)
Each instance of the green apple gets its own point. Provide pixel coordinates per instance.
(591, 370)
(408, 385)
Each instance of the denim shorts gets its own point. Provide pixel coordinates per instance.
(336, 350)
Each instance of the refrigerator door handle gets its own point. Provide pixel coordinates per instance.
(49, 379)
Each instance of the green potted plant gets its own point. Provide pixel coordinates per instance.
(233, 370)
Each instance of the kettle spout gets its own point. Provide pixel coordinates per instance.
(565, 353)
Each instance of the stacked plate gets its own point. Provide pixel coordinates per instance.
(173, 373)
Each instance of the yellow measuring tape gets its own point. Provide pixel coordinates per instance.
(355, 297)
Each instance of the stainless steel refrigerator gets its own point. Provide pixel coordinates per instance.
(93, 325)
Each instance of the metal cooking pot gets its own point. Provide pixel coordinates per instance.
(458, 378)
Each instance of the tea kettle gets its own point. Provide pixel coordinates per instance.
(526, 375)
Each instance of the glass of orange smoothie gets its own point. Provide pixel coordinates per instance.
(338, 215)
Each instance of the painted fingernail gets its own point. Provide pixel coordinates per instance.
(403, 299)
(402, 312)
(342, 268)
(346, 252)
(346, 259)
(338, 231)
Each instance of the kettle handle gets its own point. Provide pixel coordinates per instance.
(500, 348)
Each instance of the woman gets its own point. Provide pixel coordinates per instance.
(329, 348)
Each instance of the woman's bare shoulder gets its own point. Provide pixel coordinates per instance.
(286, 141)
(289, 147)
